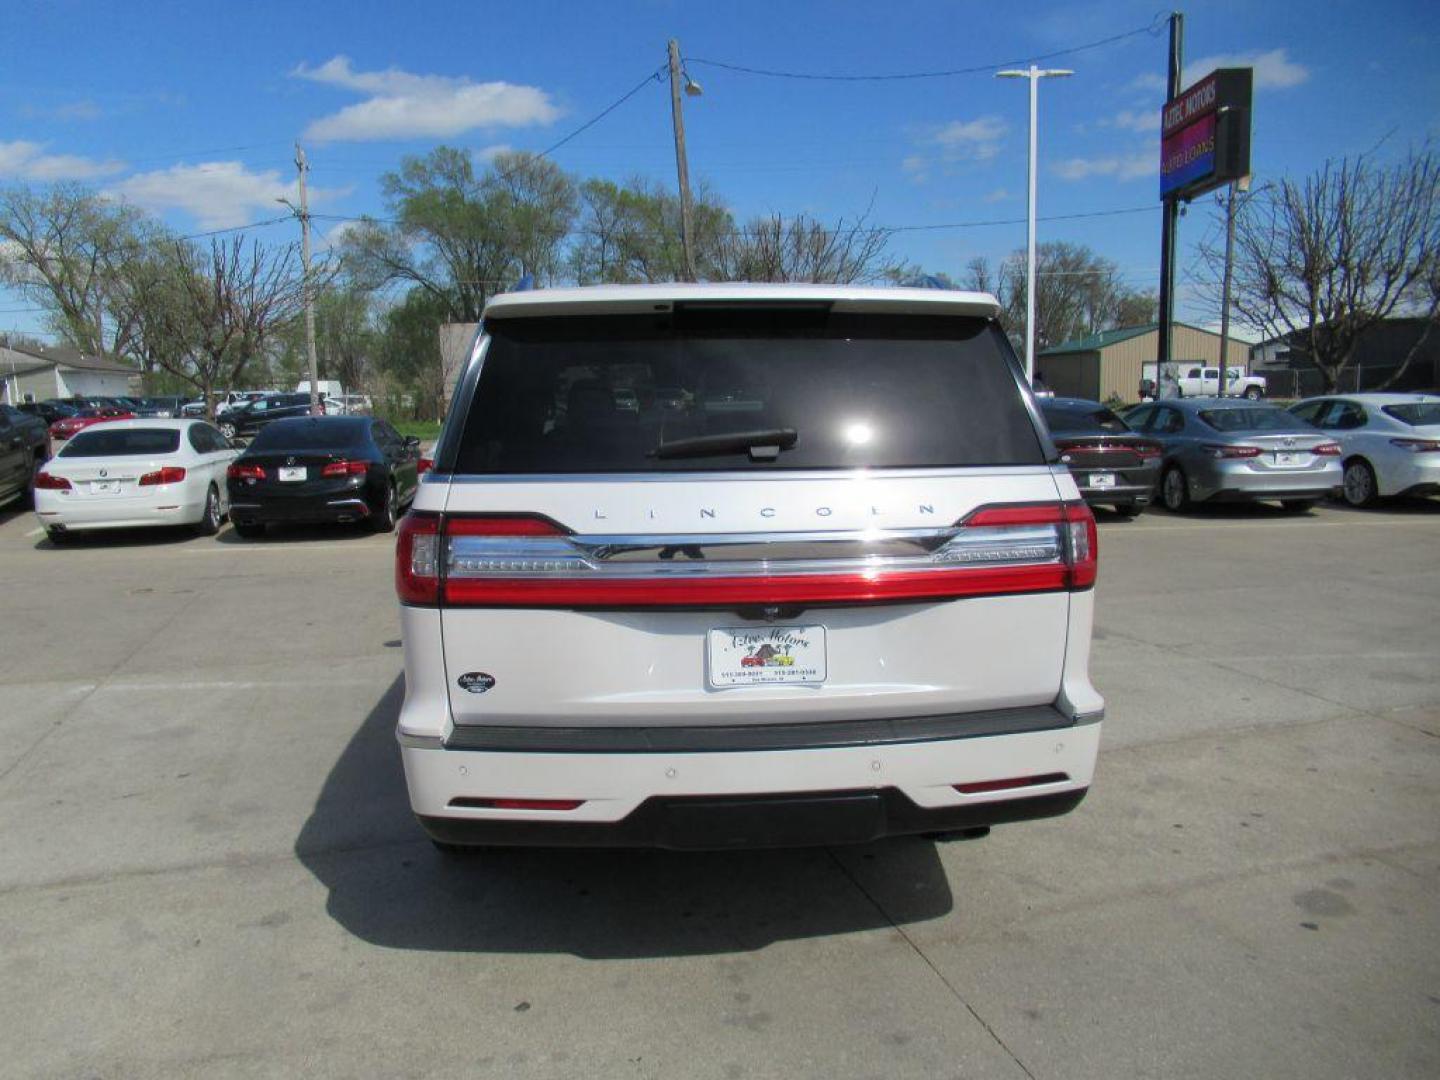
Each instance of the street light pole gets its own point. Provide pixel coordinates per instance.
(1034, 74)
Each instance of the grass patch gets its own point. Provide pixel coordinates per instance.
(421, 429)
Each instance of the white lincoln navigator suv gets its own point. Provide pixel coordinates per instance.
(743, 565)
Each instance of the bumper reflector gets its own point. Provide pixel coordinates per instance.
(981, 787)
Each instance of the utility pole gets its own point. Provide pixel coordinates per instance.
(682, 167)
(1171, 214)
(1034, 74)
(307, 289)
(1236, 187)
(1225, 286)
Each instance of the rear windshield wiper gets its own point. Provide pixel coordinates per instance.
(763, 445)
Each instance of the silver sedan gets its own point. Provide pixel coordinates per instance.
(1228, 450)
(1391, 442)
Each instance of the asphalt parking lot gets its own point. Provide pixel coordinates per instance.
(209, 866)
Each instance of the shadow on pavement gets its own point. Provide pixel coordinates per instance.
(390, 888)
(299, 534)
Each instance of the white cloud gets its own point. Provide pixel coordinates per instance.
(218, 194)
(998, 195)
(1141, 120)
(1274, 70)
(486, 155)
(1150, 83)
(953, 143)
(977, 140)
(70, 110)
(1132, 166)
(23, 160)
(403, 105)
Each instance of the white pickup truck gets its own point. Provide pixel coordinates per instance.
(1196, 381)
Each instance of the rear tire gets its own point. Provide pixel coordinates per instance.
(228, 430)
(1359, 488)
(1175, 490)
(1254, 393)
(1297, 506)
(249, 530)
(209, 523)
(383, 520)
(57, 537)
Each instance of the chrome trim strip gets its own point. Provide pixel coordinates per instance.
(751, 475)
(1081, 719)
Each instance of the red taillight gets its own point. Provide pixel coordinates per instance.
(46, 482)
(424, 465)
(980, 787)
(245, 472)
(1326, 449)
(1418, 446)
(346, 468)
(529, 561)
(471, 803)
(1224, 450)
(170, 474)
(1082, 546)
(417, 559)
(1149, 451)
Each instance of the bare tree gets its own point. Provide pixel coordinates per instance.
(209, 313)
(803, 249)
(1078, 292)
(1323, 260)
(63, 249)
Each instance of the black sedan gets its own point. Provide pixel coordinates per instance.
(48, 411)
(1111, 464)
(323, 469)
(249, 417)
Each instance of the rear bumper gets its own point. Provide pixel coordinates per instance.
(76, 515)
(734, 798)
(717, 824)
(1237, 482)
(321, 509)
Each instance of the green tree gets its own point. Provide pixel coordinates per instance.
(631, 234)
(408, 351)
(462, 235)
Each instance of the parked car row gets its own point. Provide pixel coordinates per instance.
(143, 472)
(1362, 446)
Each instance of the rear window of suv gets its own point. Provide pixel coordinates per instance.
(589, 394)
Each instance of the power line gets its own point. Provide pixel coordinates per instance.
(654, 76)
(1151, 28)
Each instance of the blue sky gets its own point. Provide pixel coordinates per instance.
(190, 109)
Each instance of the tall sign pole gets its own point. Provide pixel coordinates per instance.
(682, 166)
(307, 287)
(1170, 216)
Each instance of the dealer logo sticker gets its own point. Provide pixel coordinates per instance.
(476, 682)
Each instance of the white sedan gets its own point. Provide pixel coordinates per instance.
(129, 473)
(1390, 442)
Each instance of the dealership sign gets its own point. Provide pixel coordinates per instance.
(1205, 135)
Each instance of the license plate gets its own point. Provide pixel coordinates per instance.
(292, 473)
(104, 487)
(1102, 479)
(748, 655)
(1287, 459)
